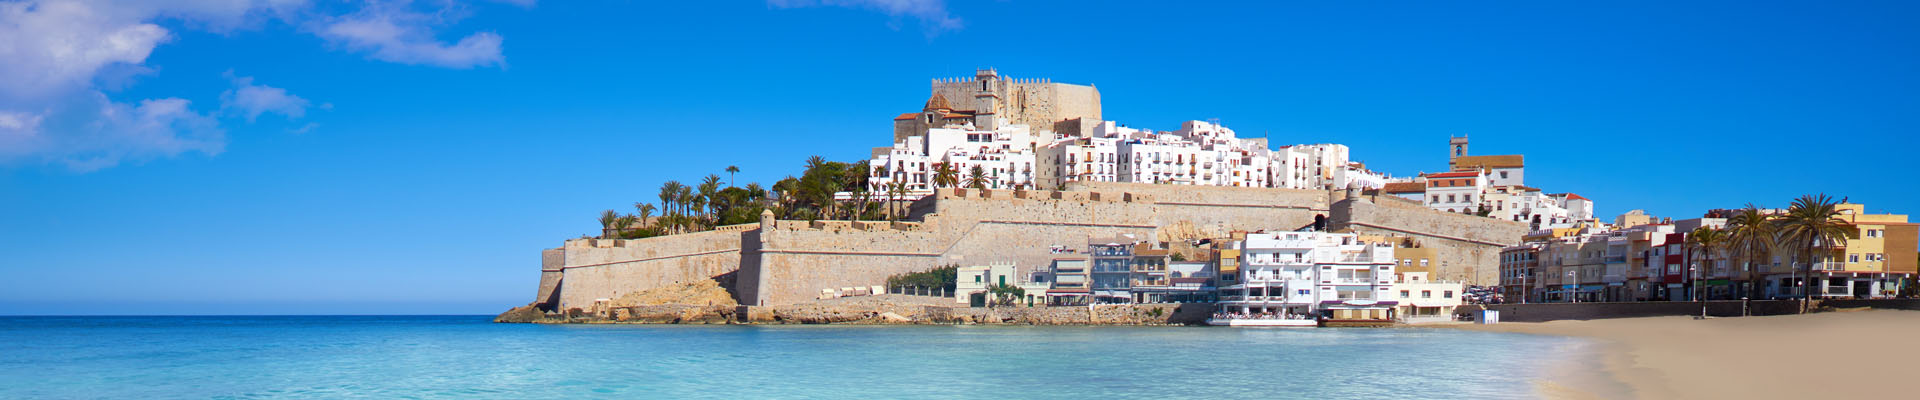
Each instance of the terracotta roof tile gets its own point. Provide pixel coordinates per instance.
(1403, 187)
(1500, 161)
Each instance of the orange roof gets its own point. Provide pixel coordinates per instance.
(907, 116)
(1403, 187)
(1454, 175)
(1575, 196)
(1500, 161)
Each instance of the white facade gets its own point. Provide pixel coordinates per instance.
(1421, 300)
(1305, 273)
(1456, 192)
(1005, 157)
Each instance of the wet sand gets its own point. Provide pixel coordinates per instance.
(1859, 354)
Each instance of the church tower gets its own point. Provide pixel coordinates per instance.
(1457, 147)
(987, 99)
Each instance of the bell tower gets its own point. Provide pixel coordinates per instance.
(1456, 148)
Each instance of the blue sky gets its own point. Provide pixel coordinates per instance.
(293, 156)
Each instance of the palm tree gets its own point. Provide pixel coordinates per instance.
(815, 162)
(622, 224)
(730, 171)
(1811, 223)
(669, 197)
(945, 176)
(977, 178)
(607, 218)
(642, 210)
(709, 193)
(687, 205)
(898, 190)
(1750, 234)
(1705, 241)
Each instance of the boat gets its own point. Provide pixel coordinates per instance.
(1263, 322)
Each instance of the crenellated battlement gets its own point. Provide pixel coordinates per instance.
(787, 261)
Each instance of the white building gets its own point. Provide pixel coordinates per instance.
(1005, 157)
(1421, 300)
(1315, 274)
(973, 284)
(1456, 192)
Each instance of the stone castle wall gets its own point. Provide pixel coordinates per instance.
(1034, 102)
(590, 269)
(783, 262)
(1468, 247)
(970, 227)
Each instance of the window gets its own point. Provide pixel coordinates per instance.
(1503, 174)
(1426, 294)
(1853, 258)
(1403, 294)
(1449, 294)
(1423, 262)
(976, 279)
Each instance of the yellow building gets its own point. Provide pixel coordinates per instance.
(1878, 256)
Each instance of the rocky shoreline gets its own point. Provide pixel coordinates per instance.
(872, 313)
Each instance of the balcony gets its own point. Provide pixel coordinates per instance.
(1351, 281)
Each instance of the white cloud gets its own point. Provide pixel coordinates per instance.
(252, 100)
(396, 33)
(931, 13)
(60, 58)
(96, 132)
(303, 129)
(53, 48)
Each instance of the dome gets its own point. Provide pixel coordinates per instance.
(938, 102)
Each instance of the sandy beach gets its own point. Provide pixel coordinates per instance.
(1859, 354)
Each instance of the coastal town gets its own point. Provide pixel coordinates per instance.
(1010, 193)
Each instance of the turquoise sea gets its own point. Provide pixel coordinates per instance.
(469, 357)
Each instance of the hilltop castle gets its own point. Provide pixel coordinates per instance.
(986, 98)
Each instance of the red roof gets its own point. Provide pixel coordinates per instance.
(1404, 187)
(1575, 196)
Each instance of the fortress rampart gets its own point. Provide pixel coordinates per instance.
(783, 262)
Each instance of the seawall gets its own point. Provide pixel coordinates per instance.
(778, 262)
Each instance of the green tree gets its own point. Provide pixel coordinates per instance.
(623, 224)
(731, 170)
(643, 211)
(1005, 295)
(945, 176)
(669, 197)
(1750, 234)
(1704, 241)
(607, 218)
(977, 178)
(709, 189)
(1812, 223)
(687, 208)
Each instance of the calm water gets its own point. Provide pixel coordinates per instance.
(468, 357)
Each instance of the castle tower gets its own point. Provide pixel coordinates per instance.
(987, 99)
(1457, 148)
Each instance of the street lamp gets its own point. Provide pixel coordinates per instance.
(1575, 292)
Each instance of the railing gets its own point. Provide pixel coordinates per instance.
(1616, 259)
(1354, 281)
(1829, 266)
